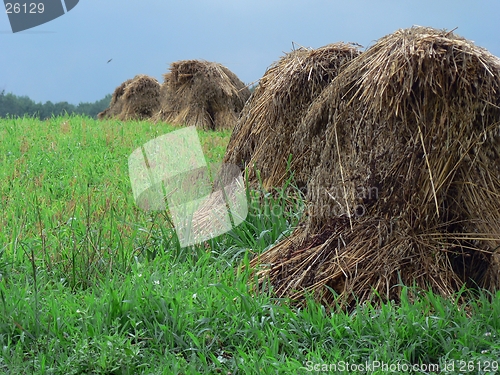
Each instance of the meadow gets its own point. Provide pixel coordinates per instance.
(91, 284)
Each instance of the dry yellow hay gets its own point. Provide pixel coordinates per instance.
(202, 94)
(408, 184)
(265, 135)
(135, 99)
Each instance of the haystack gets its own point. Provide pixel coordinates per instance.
(407, 189)
(135, 99)
(265, 136)
(202, 94)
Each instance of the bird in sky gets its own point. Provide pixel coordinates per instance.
(109, 61)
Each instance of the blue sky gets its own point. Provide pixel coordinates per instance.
(66, 59)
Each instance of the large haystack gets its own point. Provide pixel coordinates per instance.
(135, 99)
(408, 187)
(202, 94)
(265, 135)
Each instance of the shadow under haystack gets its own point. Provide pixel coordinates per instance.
(135, 99)
(408, 185)
(202, 94)
(266, 134)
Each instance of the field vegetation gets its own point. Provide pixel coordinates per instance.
(90, 284)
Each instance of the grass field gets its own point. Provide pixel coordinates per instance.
(90, 284)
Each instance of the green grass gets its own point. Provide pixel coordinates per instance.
(90, 284)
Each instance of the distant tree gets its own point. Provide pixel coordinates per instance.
(12, 105)
(9, 105)
(63, 108)
(26, 106)
(92, 109)
(47, 110)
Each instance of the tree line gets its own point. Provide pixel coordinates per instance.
(18, 106)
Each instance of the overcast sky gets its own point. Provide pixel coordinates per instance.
(66, 59)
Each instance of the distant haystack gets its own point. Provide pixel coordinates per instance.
(267, 132)
(134, 99)
(202, 94)
(407, 188)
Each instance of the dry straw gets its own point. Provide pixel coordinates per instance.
(265, 135)
(202, 94)
(408, 184)
(135, 99)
